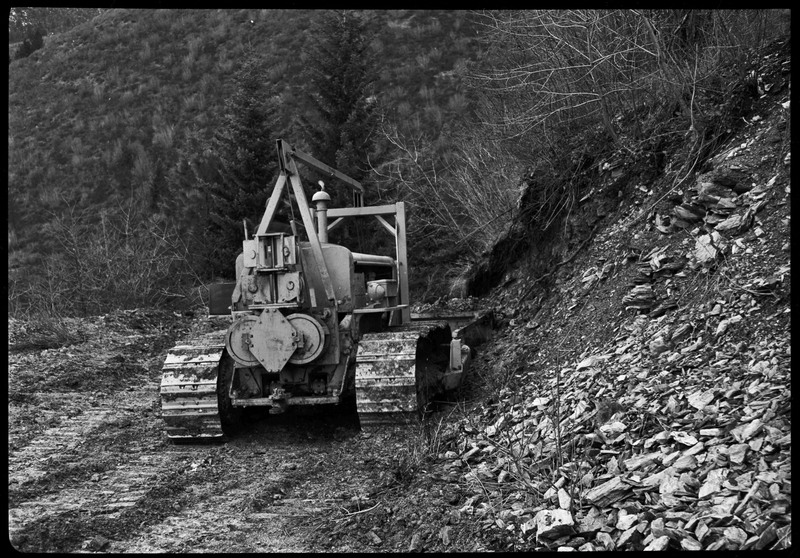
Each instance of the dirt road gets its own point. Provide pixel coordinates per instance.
(90, 468)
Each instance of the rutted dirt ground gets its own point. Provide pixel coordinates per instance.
(661, 353)
(91, 470)
(89, 467)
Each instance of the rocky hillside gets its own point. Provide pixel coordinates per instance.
(644, 400)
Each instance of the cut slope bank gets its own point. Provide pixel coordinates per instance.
(636, 396)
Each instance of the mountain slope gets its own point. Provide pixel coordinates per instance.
(111, 106)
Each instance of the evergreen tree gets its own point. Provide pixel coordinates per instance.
(340, 74)
(157, 188)
(34, 40)
(243, 151)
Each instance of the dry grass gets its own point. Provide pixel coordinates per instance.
(42, 330)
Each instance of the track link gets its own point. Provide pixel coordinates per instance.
(189, 401)
(394, 370)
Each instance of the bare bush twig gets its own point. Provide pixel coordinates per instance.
(123, 259)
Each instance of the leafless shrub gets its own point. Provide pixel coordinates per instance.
(98, 90)
(561, 89)
(122, 259)
(146, 52)
(559, 70)
(127, 97)
(164, 136)
(468, 194)
(143, 167)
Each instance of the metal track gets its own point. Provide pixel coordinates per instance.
(393, 369)
(189, 401)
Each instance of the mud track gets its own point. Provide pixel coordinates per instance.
(92, 470)
(106, 479)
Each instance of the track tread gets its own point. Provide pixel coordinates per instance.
(189, 401)
(387, 370)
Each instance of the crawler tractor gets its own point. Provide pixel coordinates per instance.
(313, 323)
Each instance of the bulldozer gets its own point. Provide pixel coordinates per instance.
(313, 323)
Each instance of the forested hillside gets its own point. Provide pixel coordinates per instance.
(115, 118)
(126, 132)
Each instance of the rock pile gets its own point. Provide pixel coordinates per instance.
(675, 431)
(688, 449)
